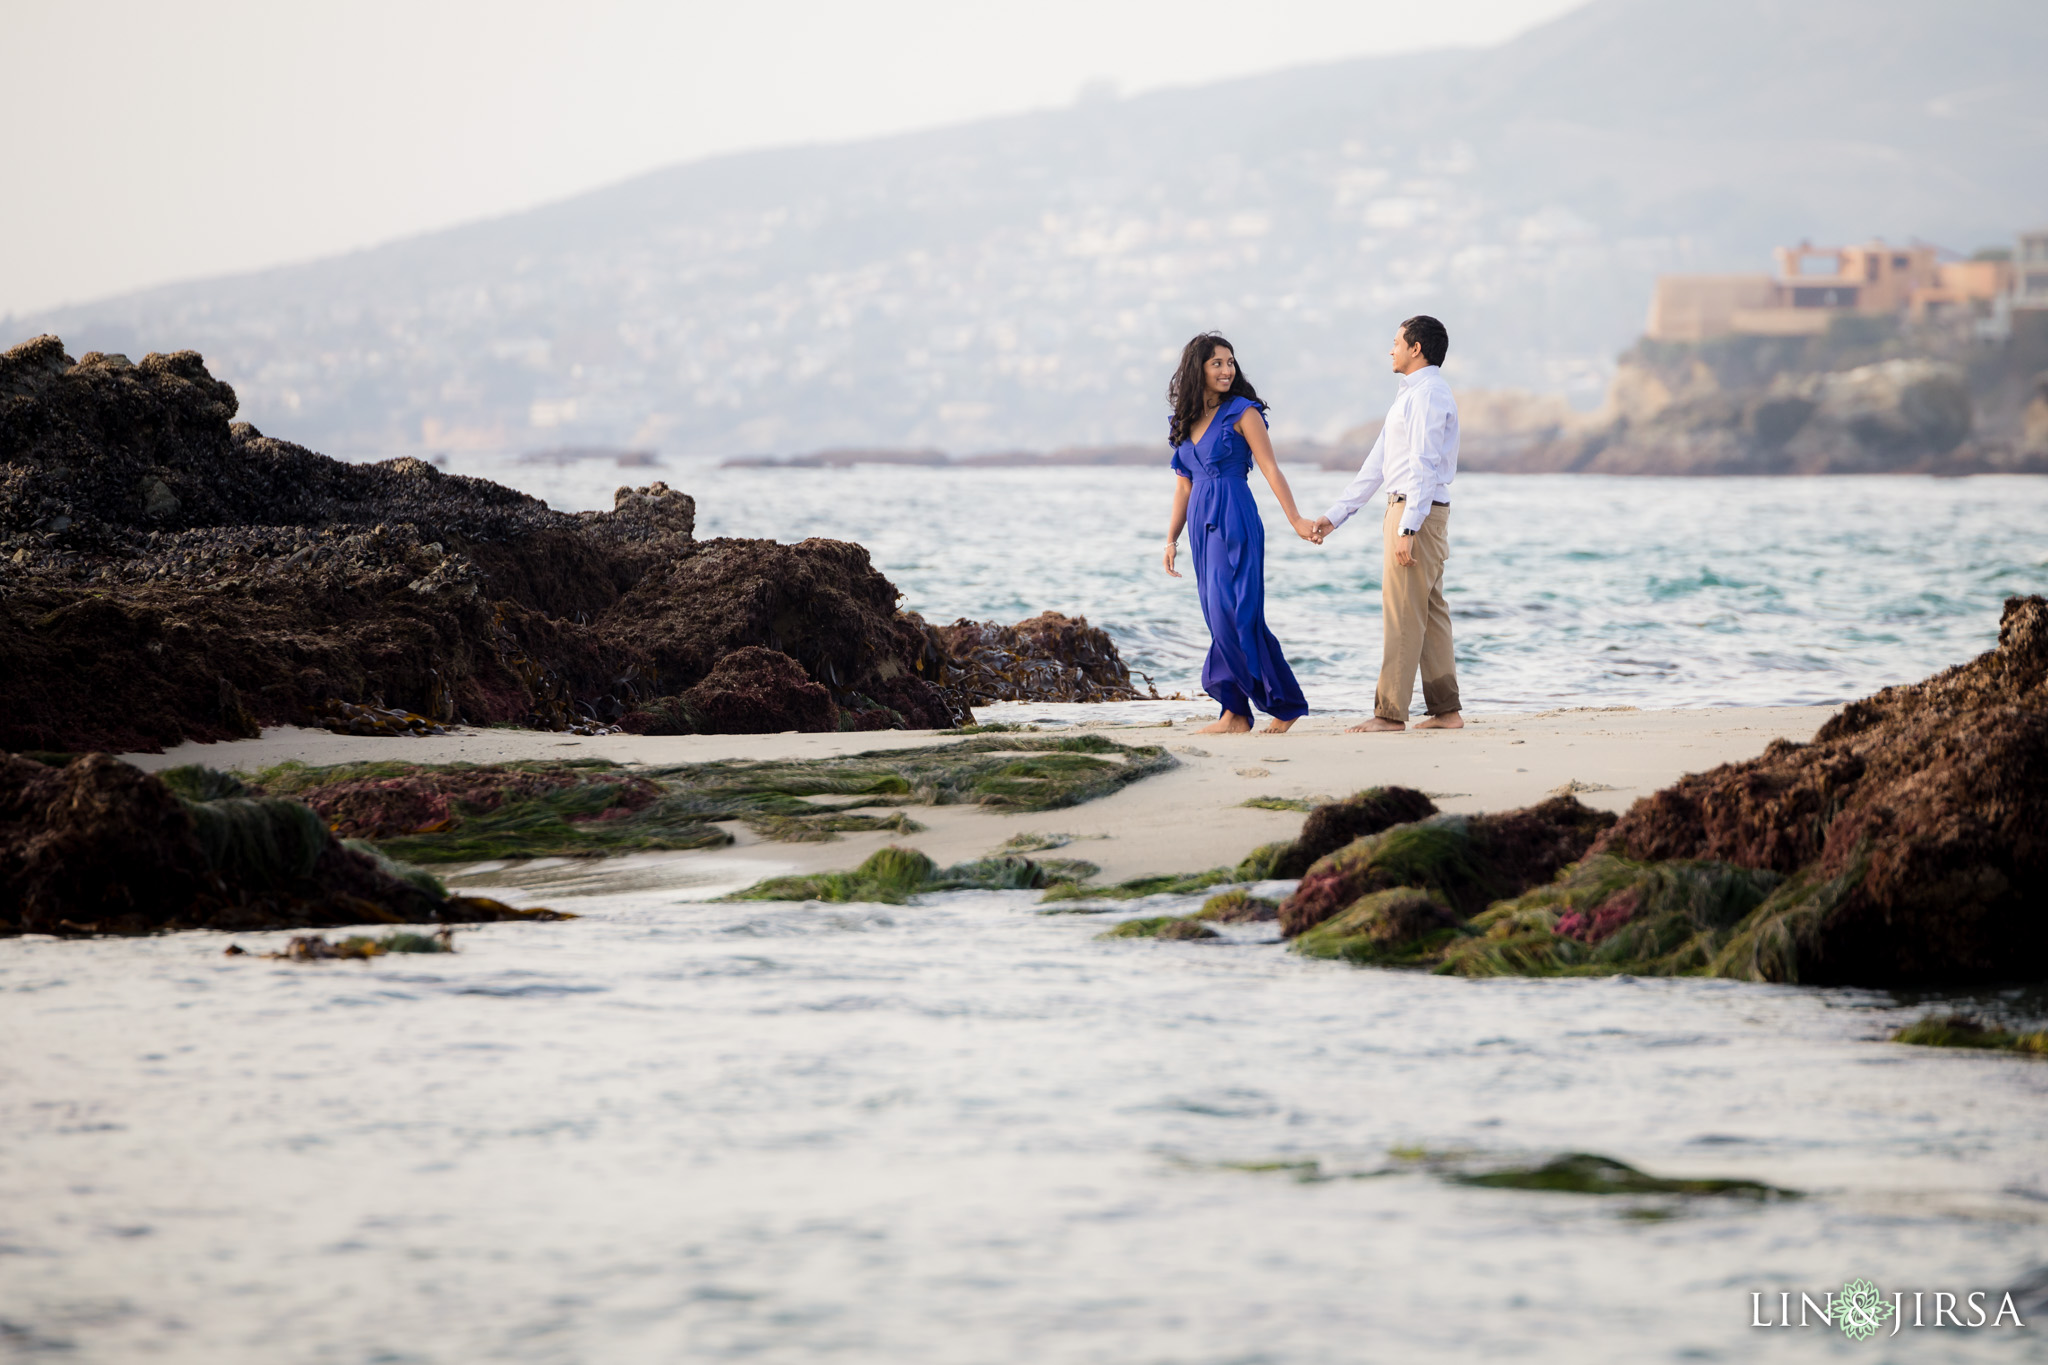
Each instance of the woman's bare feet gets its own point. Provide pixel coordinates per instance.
(1375, 726)
(1276, 727)
(1449, 720)
(1229, 723)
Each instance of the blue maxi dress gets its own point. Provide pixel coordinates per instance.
(1227, 540)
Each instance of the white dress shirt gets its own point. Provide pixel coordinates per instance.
(1416, 454)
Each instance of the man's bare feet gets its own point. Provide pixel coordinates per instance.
(1449, 720)
(1277, 727)
(1229, 723)
(1375, 726)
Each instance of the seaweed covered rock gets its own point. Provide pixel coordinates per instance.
(1608, 914)
(1334, 824)
(1466, 861)
(166, 574)
(98, 846)
(1396, 927)
(1049, 657)
(757, 691)
(1237, 906)
(1912, 832)
(1172, 928)
(892, 875)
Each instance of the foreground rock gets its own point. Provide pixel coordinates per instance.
(167, 574)
(100, 847)
(1906, 845)
(1912, 833)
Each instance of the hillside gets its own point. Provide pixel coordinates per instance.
(1023, 282)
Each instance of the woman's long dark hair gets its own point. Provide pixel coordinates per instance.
(1189, 387)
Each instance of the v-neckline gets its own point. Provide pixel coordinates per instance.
(1196, 441)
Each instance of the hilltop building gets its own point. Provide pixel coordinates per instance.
(2030, 267)
(1814, 285)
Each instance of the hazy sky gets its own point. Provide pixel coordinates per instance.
(153, 141)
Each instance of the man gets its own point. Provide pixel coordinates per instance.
(1414, 459)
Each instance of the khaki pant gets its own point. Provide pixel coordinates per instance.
(1416, 619)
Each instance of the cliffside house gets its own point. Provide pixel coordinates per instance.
(2030, 268)
(1815, 284)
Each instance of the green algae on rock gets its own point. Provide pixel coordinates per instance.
(1237, 906)
(459, 812)
(1400, 926)
(1585, 1173)
(1161, 926)
(892, 875)
(1965, 1031)
(98, 846)
(1164, 884)
(1608, 915)
(1467, 861)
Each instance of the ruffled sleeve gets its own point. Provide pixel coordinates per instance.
(1179, 467)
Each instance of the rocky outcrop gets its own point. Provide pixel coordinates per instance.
(1049, 657)
(1463, 862)
(167, 574)
(100, 847)
(1867, 398)
(1912, 833)
(1906, 845)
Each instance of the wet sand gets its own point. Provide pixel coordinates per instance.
(1184, 820)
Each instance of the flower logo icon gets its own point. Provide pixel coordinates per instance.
(1860, 1310)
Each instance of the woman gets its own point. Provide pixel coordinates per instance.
(1217, 431)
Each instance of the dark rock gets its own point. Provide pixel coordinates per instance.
(1466, 861)
(1331, 826)
(165, 575)
(101, 847)
(1049, 657)
(756, 691)
(1912, 832)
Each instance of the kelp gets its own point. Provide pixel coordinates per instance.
(1607, 915)
(1401, 926)
(1967, 1031)
(438, 813)
(1161, 926)
(1569, 1173)
(356, 947)
(1237, 906)
(1586, 1173)
(1165, 884)
(893, 875)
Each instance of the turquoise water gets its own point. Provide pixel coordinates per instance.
(1564, 590)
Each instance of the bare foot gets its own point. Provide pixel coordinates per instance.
(1375, 726)
(1277, 727)
(1229, 723)
(1449, 720)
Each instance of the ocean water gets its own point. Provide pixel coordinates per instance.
(963, 1131)
(1564, 590)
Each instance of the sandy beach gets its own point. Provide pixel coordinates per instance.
(1186, 819)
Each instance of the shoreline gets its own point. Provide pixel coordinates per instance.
(1186, 819)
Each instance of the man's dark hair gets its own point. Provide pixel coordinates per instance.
(1425, 331)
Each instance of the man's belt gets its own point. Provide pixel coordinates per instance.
(1393, 498)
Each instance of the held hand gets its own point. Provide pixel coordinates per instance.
(1172, 548)
(1404, 551)
(1306, 529)
(1322, 527)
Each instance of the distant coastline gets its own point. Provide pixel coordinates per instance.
(1869, 396)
